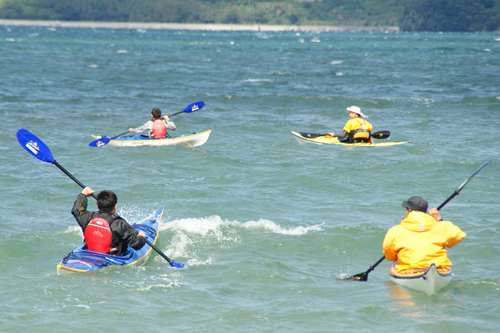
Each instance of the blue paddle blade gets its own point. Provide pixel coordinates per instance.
(99, 142)
(177, 264)
(34, 146)
(194, 107)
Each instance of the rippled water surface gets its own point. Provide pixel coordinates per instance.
(263, 224)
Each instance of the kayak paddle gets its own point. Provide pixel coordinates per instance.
(381, 135)
(104, 141)
(364, 276)
(191, 108)
(188, 109)
(375, 135)
(37, 148)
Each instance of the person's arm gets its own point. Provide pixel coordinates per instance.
(170, 124)
(131, 237)
(388, 246)
(341, 136)
(454, 234)
(79, 210)
(145, 127)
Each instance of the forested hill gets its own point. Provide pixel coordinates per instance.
(408, 15)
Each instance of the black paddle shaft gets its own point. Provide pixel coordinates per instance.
(71, 176)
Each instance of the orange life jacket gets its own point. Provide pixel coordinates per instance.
(159, 129)
(98, 235)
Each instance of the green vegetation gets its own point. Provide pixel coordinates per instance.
(409, 15)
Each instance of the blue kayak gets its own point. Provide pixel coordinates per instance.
(83, 261)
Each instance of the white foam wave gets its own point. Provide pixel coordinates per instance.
(74, 230)
(192, 233)
(214, 224)
(273, 227)
(170, 285)
(121, 51)
(196, 262)
(258, 80)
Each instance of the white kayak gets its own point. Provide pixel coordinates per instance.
(186, 140)
(428, 281)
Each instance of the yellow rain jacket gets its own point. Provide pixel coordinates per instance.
(420, 240)
(354, 124)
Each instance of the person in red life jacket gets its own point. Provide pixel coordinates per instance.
(157, 126)
(104, 230)
(357, 129)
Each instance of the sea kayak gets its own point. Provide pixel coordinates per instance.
(319, 140)
(186, 140)
(83, 261)
(428, 281)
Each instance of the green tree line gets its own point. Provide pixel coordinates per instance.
(409, 15)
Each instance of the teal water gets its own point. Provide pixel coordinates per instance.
(263, 224)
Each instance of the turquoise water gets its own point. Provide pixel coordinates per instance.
(263, 224)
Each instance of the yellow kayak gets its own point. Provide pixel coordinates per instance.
(322, 139)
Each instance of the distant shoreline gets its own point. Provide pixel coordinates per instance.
(190, 26)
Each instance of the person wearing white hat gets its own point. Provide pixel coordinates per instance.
(357, 129)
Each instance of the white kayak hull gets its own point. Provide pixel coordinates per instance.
(429, 282)
(186, 140)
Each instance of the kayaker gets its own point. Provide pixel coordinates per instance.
(357, 129)
(157, 126)
(421, 239)
(105, 230)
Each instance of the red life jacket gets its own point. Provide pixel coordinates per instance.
(159, 129)
(98, 235)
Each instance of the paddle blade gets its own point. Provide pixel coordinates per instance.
(381, 135)
(358, 277)
(194, 107)
(176, 264)
(99, 142)
(34, 146)
(311, 135)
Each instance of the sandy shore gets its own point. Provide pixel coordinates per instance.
(186, 26)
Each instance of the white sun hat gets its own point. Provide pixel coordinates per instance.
(356, 110)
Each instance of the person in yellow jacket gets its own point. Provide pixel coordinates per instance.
(421, 239)
(357, 129)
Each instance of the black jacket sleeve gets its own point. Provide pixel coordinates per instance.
(80, 212)
(128, 235)
(343, 135)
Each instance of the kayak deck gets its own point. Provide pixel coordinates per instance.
(185, 140)
(428, 281)
(321, 139)
(83, 261)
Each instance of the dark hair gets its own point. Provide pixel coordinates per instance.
(106, 201)
(156, 113)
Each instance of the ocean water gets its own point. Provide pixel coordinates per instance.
(264, 225)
